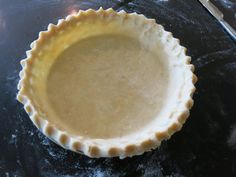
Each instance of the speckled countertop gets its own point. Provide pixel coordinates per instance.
(205, 147)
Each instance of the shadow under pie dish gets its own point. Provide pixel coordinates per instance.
(106, 83)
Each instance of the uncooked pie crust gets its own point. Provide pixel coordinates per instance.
(106, 83)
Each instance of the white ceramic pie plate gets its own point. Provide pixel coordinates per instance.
(107, 84)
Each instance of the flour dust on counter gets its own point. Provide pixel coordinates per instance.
(232, 138)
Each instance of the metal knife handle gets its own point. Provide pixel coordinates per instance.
(215, 11)
(229, 29)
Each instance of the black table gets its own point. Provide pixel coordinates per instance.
(205, 147)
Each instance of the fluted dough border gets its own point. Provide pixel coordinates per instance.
(78, 145)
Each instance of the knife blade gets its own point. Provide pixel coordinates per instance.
(219, 16)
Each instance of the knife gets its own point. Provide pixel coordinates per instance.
(219, 16)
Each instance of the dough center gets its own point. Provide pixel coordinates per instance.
(105, 87)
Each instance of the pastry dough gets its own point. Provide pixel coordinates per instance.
(107, 84)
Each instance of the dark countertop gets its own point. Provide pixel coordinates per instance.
(205, 147)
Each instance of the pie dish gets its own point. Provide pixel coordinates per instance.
(106, 83)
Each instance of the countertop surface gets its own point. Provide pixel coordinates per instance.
(205, 147)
